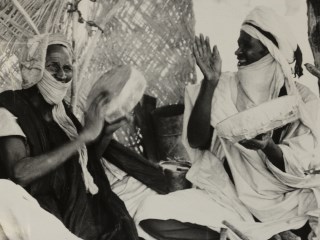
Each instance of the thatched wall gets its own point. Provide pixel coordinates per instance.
(153, 35)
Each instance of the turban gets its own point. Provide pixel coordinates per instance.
(60, 39)
(274, 32)
(35, 51)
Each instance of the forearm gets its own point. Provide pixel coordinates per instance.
(101, 145)
(275, 155)
(29, 169)
(199, 128)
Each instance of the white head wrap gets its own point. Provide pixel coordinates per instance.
(258, 82)
(53, 91)
(265, 19)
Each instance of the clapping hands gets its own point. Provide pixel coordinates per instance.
(94, 122)
(209, 61)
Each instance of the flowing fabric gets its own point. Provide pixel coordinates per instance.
(21, 217)
(53, 92)
(259, 82)
(267, 192)
(281, 200)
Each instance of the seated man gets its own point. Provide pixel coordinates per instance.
(46, 150)
(259, 185)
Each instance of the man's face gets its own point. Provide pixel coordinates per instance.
(58, 63)
(250, 49)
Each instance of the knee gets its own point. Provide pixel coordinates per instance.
(173, 229)
(154, 228)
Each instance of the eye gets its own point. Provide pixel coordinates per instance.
(52, 67)
(67, 68)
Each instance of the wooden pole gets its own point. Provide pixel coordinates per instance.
(26, 16)
(74, 87)
(314, 36)
(87, 56)
(223, 233)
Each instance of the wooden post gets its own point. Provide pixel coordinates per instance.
(223, 233)
(314, 36)
(74, 88)
(143, 120)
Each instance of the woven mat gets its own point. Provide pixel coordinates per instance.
(155, 36)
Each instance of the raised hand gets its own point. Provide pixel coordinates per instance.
(258, 143)
(94, 117)
(208, 61)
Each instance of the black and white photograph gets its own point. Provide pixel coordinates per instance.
(159, 120)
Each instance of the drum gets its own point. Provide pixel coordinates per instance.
(126, 86)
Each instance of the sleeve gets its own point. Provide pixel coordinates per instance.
(301, 152)
(300, 146)
(9, 125)
(190, 96)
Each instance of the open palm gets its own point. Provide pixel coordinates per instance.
(208, 61)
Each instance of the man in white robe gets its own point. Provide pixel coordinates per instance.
(263, 185)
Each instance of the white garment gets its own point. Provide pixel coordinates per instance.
(9, 125)
(267, 19)
(131, 191)
(259, 82)
(277, 198)
(52, 90)
(22, 218)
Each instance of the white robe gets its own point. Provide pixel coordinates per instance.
(22, 218)
(281, 200)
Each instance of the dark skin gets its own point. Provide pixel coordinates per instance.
(23, 168)
(209, 61)
(199, 129)
(249, 49)
(58, 63)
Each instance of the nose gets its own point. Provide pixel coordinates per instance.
(61, 75)
(238, 51)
